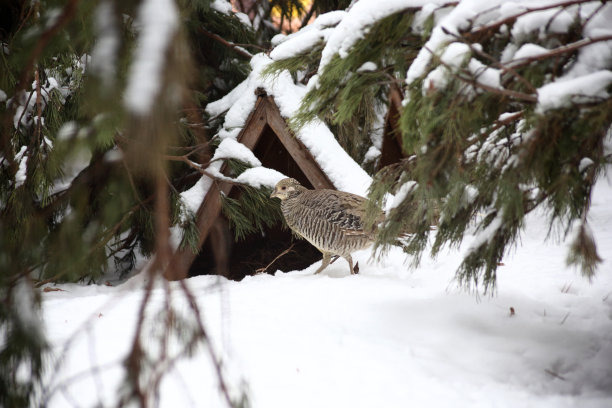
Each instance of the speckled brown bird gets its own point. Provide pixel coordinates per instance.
(331, 220)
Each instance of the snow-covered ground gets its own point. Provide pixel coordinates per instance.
(388, 337)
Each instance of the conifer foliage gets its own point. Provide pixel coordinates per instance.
(507, 110)
(101, 132)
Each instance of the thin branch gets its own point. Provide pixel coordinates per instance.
(559, 51)
(496, 63)
(240, 51)
(472, 81)
(285, 252)
(200, 169)
(309, 14)
(38, 105)
(512, 18)
(200, 325)
(67, 14)
(594, 13)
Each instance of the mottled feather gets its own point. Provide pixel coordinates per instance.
(331, 220)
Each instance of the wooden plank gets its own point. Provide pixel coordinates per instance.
(254, 125)
(210, 208)
(395, 107)
(206, 216)
(391, 151)
(296, 149)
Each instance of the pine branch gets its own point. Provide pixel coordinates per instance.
(559, 51)
(474, 34)
(68, 12)
(473, 81)
(503, 67)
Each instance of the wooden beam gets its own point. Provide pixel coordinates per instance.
(295, 147)
(254, 125)
(391, 151)
(395, 108)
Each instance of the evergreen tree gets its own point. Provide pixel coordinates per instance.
(506, 111)
(102, 130)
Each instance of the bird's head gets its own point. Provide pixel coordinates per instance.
(287, 188)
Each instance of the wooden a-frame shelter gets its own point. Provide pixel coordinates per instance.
(266, 133)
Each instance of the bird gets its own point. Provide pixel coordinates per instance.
(331, 220)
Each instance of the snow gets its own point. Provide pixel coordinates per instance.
(230, 148)
(157, 21)
(193, 197)
(67, 131)
(401, 194)
(387, 337)
(453, 58)
(453, 22)
(530, 50)
(222, 6)
(302, 41)
(2, 96)
(553, 20)
(22, 159)
(257, 176)
(354, 25)
(486, 234)
(584, 164)
(297, 45)
(260, 176)
(23, 301)
(339, 167)
(372, 154)
(563, 92)
(367, 66)
(104, 53)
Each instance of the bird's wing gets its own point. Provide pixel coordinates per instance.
(340, 208)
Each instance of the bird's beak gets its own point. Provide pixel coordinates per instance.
(273, 194)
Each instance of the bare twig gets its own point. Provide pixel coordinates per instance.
(215, 360)
(240, 51)
(594, 13)
(564, 318)
(199, 168)
(286, 251)
(308, 15)
(553, 374)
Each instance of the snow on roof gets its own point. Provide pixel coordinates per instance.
(339, 167)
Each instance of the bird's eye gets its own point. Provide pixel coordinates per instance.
(283, 188)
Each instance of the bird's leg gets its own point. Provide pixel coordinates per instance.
(350, 261)
(324, 263)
